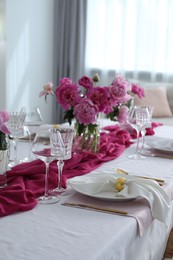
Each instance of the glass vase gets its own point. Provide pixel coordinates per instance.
(87, 137)
(4, 158)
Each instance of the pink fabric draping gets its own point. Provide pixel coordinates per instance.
(26, 181)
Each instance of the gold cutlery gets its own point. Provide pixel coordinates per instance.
(159, 155)
(120, 171)
(79, 205)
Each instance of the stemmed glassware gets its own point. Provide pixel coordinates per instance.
(33, 118)
(61, 142)
(148, 125)
(32, 121)
(16, 127)
(138, 118)
(41, 148)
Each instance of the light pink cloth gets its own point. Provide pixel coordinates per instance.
(138, 208)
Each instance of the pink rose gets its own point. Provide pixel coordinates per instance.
(86, 82)
(85, 112)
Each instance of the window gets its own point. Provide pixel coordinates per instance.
(130, 36)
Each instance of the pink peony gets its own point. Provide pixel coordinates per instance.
(119, 87)
(100, 97)
(65, 81)
(85, 112)
(4, 117)
(48, 89)
(86, 82)
(68, 95)
(123, 114)
(138, 91)
(124, 99)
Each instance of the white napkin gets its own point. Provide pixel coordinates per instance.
(134, 187)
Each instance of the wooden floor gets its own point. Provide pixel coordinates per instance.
(169, 247)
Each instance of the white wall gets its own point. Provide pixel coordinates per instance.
(29, 54)
(2, 54)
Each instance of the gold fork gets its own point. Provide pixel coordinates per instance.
(120, 171)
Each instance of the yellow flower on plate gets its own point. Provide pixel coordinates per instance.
(119, 184)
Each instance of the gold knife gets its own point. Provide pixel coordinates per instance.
(80, 205)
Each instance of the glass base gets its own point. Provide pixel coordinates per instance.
(48, 199)
(147, 153)
(136, 156)
(60, 191)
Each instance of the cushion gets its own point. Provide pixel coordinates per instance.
(156, 97)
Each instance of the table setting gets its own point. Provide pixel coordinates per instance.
(107, 195)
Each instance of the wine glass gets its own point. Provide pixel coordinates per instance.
(32, 121)
(138, 118)
(61, 142)
(33, 118)
(42, 150)
(148, 124)
(16, 126)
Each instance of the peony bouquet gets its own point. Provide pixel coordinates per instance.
(85, 100)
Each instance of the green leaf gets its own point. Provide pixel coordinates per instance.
(3, 141)
(69, 115)
(114, 114)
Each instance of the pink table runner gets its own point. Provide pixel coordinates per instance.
(26, 181)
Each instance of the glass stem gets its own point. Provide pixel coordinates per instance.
(15, 143)
(46, 193)
(60, 165)
(143, 132)
(137, 144)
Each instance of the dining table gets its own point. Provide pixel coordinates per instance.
(69, 231)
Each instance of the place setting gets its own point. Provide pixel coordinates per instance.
(117, 193)
(158, 147)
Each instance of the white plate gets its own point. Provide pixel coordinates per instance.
(77, 182)
(162, 145)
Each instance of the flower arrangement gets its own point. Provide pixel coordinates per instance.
(4, 117)
(84, 100)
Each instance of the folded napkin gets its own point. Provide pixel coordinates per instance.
(134, 187)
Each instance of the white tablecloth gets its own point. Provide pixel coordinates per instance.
(59, 232)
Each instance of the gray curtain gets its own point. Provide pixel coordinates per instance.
(69, 42)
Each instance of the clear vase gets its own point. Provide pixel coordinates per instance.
(87, 137)
(4, 158)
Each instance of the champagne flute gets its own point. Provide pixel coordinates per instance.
(42, 150)
(61, 142)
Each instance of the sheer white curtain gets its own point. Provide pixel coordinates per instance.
(131, 37)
